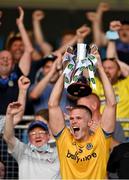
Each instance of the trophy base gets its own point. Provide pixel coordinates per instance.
(79, 89)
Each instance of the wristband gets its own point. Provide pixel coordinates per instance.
(112, 35)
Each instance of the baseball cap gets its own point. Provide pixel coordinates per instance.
(50, 57)
(37, 123)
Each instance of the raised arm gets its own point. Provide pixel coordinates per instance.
(0, 17)
(124, 68)
(96, 30)
(111, 46)
(23, 83)
(101, 9)
(64, 47)
(37, 16)
(12, 110)
(96, 20)
(42, 84)
(25, 61)
(56, 117)
(82, 32)
(111, 49)
(109, 113)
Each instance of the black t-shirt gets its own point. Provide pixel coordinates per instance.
(119, 161)
(9, 89)
(35, 66)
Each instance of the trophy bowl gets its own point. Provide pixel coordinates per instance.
(80, 88)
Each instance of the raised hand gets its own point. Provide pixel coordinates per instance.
(115, 25)
(23, 83)
(21, 15)
(91, 16)
(103, 7)
(95, 52)
(38, 15)
(14, 108)
(83, 31)
(57, 65)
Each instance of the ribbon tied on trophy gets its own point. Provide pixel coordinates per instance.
(76, 64)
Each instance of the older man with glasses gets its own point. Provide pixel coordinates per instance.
(36, 159)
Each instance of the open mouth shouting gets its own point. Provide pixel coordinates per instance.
(38, 142)
(75, 131)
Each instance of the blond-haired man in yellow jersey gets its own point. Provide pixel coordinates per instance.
(121, 90)
(83, 155)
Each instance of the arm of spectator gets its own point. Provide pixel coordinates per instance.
(103, 7)
(111, 50)
(25, 61)
(124, 68)
(111, 46)
(63, 48)
(23, 84)
(12, 109)
(96, 20)
(82, 33)
(41, 85)
(37, 16)
(92, 16)
(56, 117)
(109, 113)
(0, 17)
(36, 56)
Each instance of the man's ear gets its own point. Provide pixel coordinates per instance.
(48, 137)
(119, 73)
(90, 123)
(94, 106)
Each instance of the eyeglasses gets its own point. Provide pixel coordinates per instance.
(41, 133)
